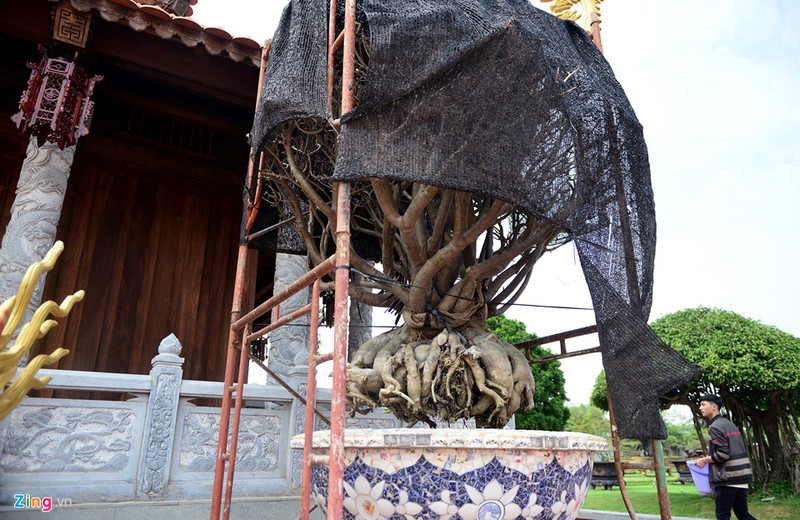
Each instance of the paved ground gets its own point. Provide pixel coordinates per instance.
(285, 508)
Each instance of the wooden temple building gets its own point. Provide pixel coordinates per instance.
(124, 133)
(152, 207)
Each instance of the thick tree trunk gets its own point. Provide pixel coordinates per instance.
(775, 450)
(454, 375)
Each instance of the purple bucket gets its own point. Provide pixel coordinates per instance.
(700, 478)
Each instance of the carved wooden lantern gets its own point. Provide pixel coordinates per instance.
(56, 106)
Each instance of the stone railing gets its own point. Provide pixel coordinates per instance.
(157, 445)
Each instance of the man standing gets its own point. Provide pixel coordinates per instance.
(729, 467)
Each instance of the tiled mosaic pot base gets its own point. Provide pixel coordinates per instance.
(460, 474)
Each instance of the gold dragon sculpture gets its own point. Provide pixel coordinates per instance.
(568, 10)
(12, 312)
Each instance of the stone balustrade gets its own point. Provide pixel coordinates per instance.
(157, 444)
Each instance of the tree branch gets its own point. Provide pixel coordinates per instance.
(442, 216)
(397, 289)
(294, 204)
(408, 226)
(525, 262)
(387, 247)
(303, 183)
(422, 282)
(514, 248)
(370, 298)
(383, 192)
(527, 272)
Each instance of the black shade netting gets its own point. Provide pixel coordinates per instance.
(500, 98)
(296, 77)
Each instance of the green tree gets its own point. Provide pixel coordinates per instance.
(549, 410)
(681, 438)
(755, 368)
(589, 419)
(599, 395)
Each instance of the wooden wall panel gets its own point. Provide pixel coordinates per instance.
(153, 259)
(148, 232)
(138, 265)
(97, 270)
(214, 312)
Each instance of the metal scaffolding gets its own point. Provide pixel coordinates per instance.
(242, 334)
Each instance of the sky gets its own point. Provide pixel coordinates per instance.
(717, 90)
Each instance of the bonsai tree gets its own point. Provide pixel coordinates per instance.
(470, 154)
(446, 261)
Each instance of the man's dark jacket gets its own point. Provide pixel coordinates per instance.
(726, 448)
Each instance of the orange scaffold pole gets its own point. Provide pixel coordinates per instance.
(241, 333)
(233, 337)
(335, 458)
(342, 302)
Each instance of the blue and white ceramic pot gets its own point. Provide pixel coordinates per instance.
(401, 474)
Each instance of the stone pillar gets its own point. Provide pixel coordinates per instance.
(35, 213)
(162, 411)
(54, 110)
(289, 344)
(288, 353)
(298, 425)
(360, 323)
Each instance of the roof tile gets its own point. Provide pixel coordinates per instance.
(153, 18)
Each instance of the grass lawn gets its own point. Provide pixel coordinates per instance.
(685, 501)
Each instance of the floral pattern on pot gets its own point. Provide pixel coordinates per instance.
(492, 491)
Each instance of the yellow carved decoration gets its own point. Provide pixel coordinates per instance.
(566, 10)
(12, 311)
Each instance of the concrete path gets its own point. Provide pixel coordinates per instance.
(282, 508)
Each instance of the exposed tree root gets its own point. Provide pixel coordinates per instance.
(456, 375)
